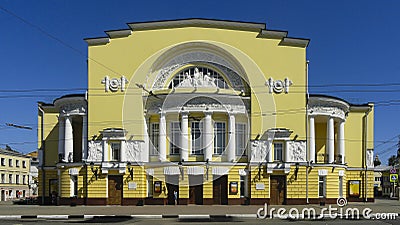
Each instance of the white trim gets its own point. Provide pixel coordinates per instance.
(242, 172)
(150, 172)
(73, 171)
(322, 172)
(220, 170)
(195, 170)
(171, 170)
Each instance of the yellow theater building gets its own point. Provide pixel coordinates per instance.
(202, 112)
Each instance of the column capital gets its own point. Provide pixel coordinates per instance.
(208, 113)
(184, 113)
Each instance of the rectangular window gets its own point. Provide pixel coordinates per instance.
(321, 186)
(196, 138)
(278, 151)
(154, 136)
(17, 163)
(23, 179)
(240, 131)
(149, 186)
(174, 138)
(24, 164)
(74, 186)
(10, 178)
(115, 151)
(219, 137)
(10, 164)
(3, 161)
(17, 179)
(3, 178)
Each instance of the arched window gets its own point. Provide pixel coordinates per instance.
(198, 77)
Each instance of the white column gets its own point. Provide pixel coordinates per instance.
(311, 136)
(232, 138)
(341, 141)
(330, 140)
(162, 138)
(287, 153)
(106, 156)
(184, 136)
(269, 150)
(84, 137)
(208, 136)
(61, 137)
(123, 151)
(68, 140)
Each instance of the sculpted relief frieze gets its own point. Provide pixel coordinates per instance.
(297, 151)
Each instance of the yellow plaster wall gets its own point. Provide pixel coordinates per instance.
(254, 179)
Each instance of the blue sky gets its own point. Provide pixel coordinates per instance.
(352, 42)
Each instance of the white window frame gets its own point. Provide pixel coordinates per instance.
(280, 153)
(154, 138)
(17, 163)
(10, 178)
(113, 150)
(23, 164)
(174, 137)
(10, 162)
(240, 138)
(323, 183)
(74, 186)
(3, 178)
(219, 150)
(17, 178)
(196, 150)
(3, 162)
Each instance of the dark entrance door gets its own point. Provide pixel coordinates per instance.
(172, 186)
(220, 190)
(277, 190)
(196, 189)
(114, 190)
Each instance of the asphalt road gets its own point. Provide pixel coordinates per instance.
(117, 221)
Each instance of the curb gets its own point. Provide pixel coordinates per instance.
(156, 216)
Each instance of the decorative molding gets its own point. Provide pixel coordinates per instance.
(198, 79)
(327, 111)
(134, 151)
(150, 172)
(341, 173)
(114, 134)
(73, 171)
(259, 150)
(95, 151)
(297, 151)
(322, 172)
(200, 57)
(370, 158)
(242, 172)
(278, 86)
(114, 84)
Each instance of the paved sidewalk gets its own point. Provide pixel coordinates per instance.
(9, 211)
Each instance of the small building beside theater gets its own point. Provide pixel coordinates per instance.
(217, 112)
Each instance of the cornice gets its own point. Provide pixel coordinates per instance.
(197, 22)
(294, 42)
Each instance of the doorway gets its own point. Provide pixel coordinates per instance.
(196, 189)
(277, 190)
(172, 182)
(220, 190)
(114, 190)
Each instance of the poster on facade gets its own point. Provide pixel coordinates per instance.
(157, 186)
(354, 188)
(233, 188)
